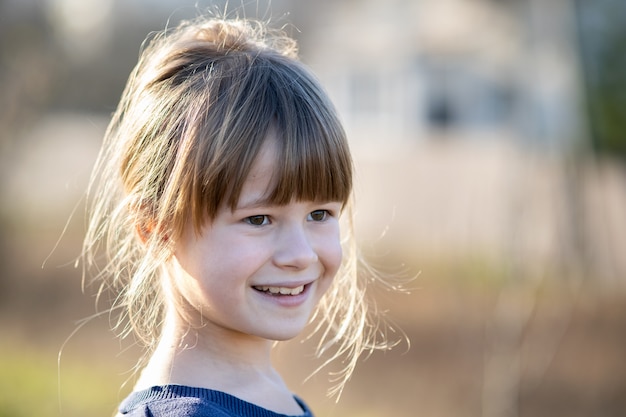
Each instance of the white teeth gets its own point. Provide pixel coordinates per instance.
(281, 290)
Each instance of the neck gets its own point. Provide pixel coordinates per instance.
(218, 359)
(209, 357)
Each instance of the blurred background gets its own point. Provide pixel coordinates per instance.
(489, 138)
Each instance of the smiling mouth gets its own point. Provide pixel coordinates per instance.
(280, 290)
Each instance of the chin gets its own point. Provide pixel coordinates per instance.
(284, 338)
(283, 335)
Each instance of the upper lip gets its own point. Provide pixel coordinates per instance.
(286, 284)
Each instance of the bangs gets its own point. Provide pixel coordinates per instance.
(310, 168)
(313, 161)
(270, 94)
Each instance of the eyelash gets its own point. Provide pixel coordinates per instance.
(265, 218)
(326, 214)
(250, 221)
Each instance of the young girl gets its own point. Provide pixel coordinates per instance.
(217, 198)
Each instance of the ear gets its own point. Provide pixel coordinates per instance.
(144, 231)
(145, 222)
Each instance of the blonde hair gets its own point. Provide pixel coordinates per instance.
(192, 118)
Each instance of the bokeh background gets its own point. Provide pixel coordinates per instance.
(489, 138)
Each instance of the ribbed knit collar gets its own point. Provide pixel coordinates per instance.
(237, 406)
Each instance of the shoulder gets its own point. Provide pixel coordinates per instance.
(182, 401)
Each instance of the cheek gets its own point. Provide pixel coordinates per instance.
(331, 256)
(331, 261)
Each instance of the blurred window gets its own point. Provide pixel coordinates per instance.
(458, 96)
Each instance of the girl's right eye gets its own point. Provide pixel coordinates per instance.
(258, 220)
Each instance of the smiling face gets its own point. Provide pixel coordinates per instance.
(261, 268)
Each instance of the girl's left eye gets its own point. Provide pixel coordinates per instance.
(319, 215)
(258, 220)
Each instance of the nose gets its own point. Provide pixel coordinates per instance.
(294, 248)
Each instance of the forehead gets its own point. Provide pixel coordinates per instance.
(260, 181)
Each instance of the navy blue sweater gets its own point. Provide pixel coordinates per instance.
(183, 401)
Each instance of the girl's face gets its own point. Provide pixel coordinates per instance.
(261, 269)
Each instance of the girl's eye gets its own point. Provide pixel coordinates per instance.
(319, 215)
(259, 220)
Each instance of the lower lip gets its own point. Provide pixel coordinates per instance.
(286, 300)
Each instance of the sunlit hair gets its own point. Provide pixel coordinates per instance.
(192, 119)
